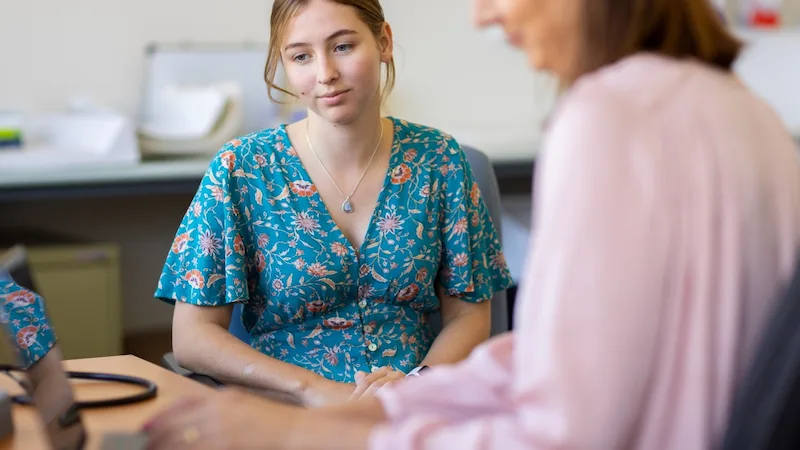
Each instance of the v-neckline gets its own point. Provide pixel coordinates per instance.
(376, 212)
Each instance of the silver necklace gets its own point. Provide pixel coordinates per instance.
(347, 205)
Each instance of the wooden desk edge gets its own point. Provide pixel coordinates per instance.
(29, 435)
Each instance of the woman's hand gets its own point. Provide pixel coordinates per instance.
(324, 392)
(231, 418)
(225, 419)
(367, 384)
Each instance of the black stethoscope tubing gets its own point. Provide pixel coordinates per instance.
(149, 388)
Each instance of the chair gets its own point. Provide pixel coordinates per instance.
(483, 171)
(766, 407)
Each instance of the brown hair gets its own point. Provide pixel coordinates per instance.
(369, 11)
(614, 29)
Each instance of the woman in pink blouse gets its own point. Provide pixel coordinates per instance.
(667, 217)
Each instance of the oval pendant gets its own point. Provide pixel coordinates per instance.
(347, 206)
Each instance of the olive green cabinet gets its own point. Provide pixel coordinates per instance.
(80, 285)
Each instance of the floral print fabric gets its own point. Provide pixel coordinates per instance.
(24, 319)
(257, 232)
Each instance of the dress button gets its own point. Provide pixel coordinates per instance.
(362, 304)
(372, 347)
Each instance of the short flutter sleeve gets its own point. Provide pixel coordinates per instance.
(473, 265)
(24, 319)
(207, 262)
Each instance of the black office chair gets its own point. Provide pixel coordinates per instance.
(766, 408)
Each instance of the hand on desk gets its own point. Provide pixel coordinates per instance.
(230, 418)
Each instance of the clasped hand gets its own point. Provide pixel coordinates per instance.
(324, 392)
(368, 384)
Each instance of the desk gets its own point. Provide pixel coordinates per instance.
(156, 177)
(29, 435)
(159, 177)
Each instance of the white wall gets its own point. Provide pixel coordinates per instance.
(450, 76)
(470, 83)
(56, 48)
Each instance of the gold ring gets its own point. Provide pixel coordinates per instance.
(190, 434)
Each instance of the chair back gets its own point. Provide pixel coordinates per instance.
(766, 407)
(236, 327)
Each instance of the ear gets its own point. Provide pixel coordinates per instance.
(386, 43)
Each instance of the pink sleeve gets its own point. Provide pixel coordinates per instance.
(587, 315)
(483, 385)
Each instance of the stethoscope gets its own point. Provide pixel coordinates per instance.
(149, 388)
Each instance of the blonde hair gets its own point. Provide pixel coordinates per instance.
(369, 11)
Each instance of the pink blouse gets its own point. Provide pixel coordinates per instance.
(667, 217)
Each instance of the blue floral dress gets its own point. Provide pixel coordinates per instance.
(258, 233)
(24, 321)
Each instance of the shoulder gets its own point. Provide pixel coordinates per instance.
(595, 101)
(254, 150)
(602, 114)
(412, 131)
(608, 131)
(426, 144)
(640, 90)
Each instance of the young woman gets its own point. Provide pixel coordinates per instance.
(340, 233)
(668, 219)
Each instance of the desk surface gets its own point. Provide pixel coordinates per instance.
(103, 180)
(102, 173)
(152, 177)
(29, 435)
